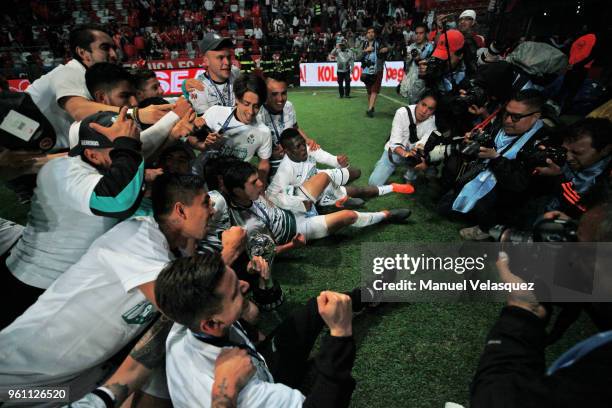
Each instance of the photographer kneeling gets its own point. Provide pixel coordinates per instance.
(411, 128)
(495, 185)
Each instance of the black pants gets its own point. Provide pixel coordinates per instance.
(344, 83)
(21, 295)
(288, 348)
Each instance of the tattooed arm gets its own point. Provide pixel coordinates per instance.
(148, 353)
(233, 369)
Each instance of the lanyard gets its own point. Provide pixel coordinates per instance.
(226, 126)
(226, 342)
(282, 122)
(219, 93)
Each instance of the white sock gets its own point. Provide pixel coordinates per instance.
(382, 190)
(365, 219)
(338, 177)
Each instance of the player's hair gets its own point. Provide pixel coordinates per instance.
(82, 36)
(600, 130)
(169, 189)
(141, 76)
(104, 76)
(250, 82)
(237, 175)
(288, 134)
(185, 290)
(215, 168)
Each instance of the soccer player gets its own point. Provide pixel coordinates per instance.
(106, 299)
(236, 130)
(279, 114)
(299, 165)
(241, 202)
(215, 86)
(77, 199)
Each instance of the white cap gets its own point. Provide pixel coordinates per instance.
(468, 14)
(73, 134)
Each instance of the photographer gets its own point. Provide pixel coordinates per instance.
(494, 184)
(586, 174)
(512, 372)
(412, 126)
(411, 85)
(444, 69)
(345, 58)
(373, 55)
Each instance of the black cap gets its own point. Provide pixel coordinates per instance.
(89, 138)
(214, 42)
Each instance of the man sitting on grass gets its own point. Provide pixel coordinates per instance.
(289, 190)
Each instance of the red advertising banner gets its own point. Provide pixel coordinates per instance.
(169, 64)
(18, 85)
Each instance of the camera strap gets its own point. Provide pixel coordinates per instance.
(412, 128)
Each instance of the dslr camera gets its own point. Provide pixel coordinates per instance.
(435, 69)
(537, 157)
(469, 150)
(544, 230)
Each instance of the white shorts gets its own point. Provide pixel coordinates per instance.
(330, 195)
(311, 227)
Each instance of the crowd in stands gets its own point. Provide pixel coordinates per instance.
(33, 38)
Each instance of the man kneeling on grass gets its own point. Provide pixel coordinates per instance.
(206, 299)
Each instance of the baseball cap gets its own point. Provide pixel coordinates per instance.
(455, 42)
(83, 137)
(468, 14)
(214, 42)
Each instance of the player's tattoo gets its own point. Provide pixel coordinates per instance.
(150, 351)
(220, 399)
(120, 391)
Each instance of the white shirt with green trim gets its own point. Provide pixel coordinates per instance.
(90, 313)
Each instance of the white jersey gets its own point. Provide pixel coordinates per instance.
(9, 234)
(400, 129)
(61, 226)
(291, 175)
(190, 368)
(213, 93)
(277, 122)
(240, 140)
(90, 313)
(46, 91)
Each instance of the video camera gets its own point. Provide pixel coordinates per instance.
(22, 124)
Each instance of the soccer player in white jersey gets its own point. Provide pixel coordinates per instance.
(107, 298)
(206, 299)
(215, 86)
(236, 130)
(300, 165)
(279, 114)
(241, 201)
(77, 199)
(62, 96)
